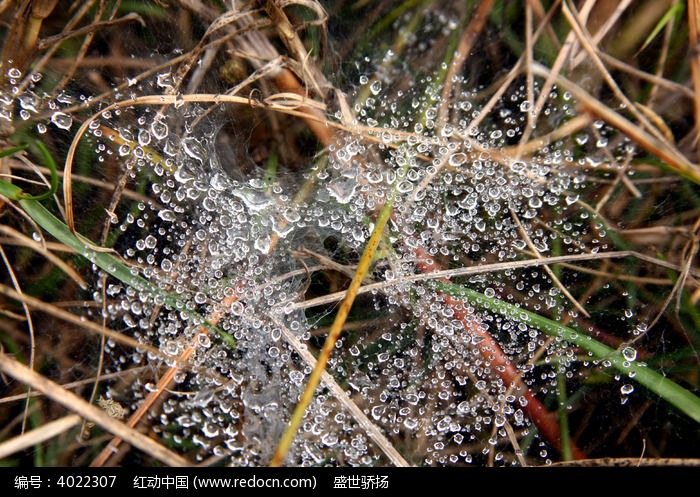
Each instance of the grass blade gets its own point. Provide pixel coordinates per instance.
(673, 393)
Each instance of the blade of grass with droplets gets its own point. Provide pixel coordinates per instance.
(490, 350)
(55, 227)
(103, 259)
(667, 389)
(333, 334)
(114, 267)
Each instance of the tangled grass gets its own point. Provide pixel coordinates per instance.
(349, 233)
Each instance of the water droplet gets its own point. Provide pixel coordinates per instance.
(159, 129)
(29, 101)
(343, 189)
(194, 149)
(62, 120)
(499, 420)
(167, 215)
(457, 159)
(626, 389)
(255, 200)
(329, 439)
(210, 430)
(164, 80)
(144, 137)
(629, 353)
(411, 423)
(404, 186)
(203, 340)
(151, 241)
(263, 244)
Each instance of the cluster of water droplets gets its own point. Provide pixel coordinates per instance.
(459, 201)
(219, 248)
(23, 100)
(209, 238)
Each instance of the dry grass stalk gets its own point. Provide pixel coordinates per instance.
(76, 404)
(38, 435)
(694, 39)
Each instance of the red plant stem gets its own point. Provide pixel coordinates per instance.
(545, 421)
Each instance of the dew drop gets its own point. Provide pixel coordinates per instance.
(203, 340)
(571, 199)
(166, 265)
(164, 80)
(210, 430)
(263, 244)
(62, 120)
(167, 215)
(144, 137)
(193, 149)
(343, 189)
(159, 129)
(629, 353)
(457, 159)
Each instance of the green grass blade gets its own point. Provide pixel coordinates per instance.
(51, 165)
(13, 150)
(673, 393)
(104, 260)
(676, 11)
